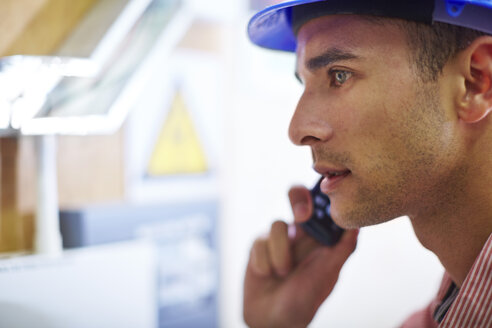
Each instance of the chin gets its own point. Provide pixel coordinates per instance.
(344, 221)
(356, 218)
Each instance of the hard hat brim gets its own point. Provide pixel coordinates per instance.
(272, 27)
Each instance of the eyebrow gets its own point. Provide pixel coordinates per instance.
(329, 57)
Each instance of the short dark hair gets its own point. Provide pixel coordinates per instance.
(432, 45)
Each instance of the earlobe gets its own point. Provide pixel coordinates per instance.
(477, 101)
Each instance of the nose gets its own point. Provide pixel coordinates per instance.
(309, 124)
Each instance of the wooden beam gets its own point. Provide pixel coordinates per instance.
(46, 25)
(15, 15)
(11, 227)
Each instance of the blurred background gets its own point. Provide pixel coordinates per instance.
(143, 148)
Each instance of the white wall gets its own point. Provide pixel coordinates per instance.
(389, 276)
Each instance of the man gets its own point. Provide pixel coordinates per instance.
(396, 110)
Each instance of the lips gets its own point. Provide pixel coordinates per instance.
(332, 177)
(332, 181)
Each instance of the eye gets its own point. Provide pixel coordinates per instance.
(339, 77)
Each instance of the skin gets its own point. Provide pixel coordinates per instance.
(411, 148)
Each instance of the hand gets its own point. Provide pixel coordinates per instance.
(289, 274)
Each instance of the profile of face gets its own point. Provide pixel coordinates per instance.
(386, 139)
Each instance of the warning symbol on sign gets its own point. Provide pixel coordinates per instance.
(178, 149)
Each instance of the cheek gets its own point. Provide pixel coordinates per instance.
(374, 130)
(369, 116)
(380, 107)
(363, 116)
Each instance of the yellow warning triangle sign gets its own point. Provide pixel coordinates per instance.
(178, 149)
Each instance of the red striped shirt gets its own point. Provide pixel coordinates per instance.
(472, 307)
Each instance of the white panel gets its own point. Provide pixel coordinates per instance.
(105, 286)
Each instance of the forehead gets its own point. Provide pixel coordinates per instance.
(363, 36)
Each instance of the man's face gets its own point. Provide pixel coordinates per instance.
(385, 140)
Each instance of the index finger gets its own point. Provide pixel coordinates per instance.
(301, 203)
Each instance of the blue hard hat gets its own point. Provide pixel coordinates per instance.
(275, 26)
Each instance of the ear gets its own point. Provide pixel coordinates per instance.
(477, 101)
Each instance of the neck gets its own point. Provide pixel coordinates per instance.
(457, 230)
(457, 248)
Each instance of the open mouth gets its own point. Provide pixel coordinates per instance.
(332, 180)
(336, 174)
